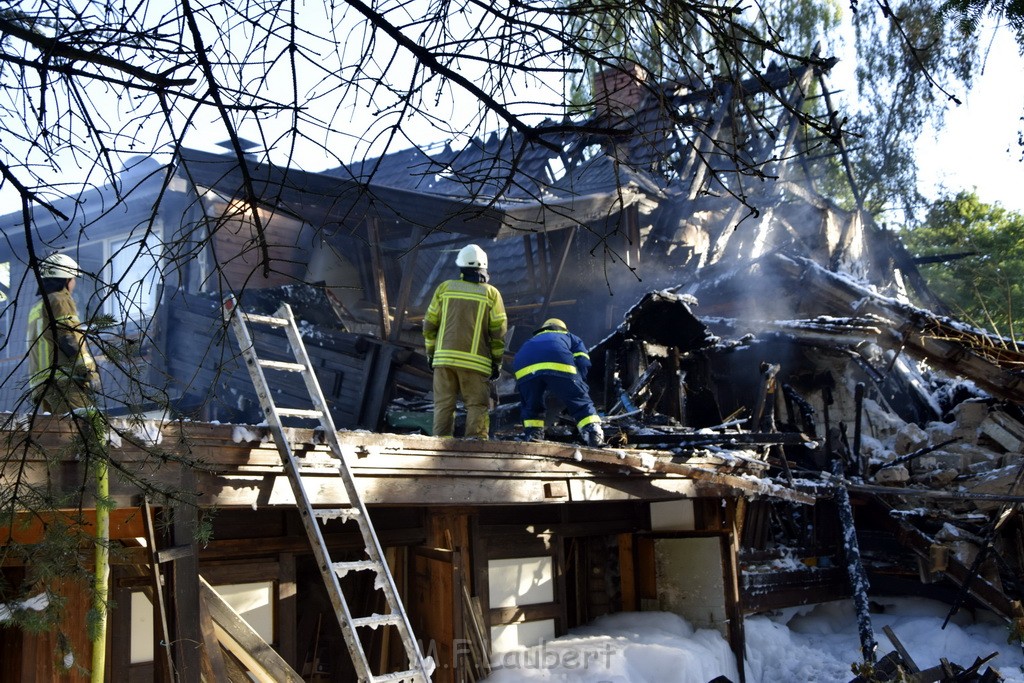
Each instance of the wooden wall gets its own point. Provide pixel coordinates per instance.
(30, 657)
(437, 552)
(357, 374)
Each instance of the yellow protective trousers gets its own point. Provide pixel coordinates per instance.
(449, 384)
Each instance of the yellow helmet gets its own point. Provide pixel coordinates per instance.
(553, 324)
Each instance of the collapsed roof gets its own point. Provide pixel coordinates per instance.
(762, 305)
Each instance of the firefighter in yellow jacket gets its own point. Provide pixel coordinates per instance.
(62, 372)
(464, 334)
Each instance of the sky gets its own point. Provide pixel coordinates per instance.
(809, 645)
(978, 147)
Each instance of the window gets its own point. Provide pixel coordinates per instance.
(134, 277)
(121, 278)
(517, 582)
(5, 300)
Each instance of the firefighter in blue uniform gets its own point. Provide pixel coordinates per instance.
(555, 361)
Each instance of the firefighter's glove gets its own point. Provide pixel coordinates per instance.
(88, 380)
(495, 371)
(69, 345)
(430, 362)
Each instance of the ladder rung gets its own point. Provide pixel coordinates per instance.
(396, 676)
(299, 412)
(382, 580)
(375, 620)
(282, 365)
(342, 568)
(265, 319)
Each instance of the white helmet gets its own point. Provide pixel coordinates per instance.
(59, 266)
(471, 256)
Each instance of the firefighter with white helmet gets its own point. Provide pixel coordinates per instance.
(464, 335)
(471, 256)
(62, 372)
(556, 361)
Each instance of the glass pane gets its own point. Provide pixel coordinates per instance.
(254, 602)
(521, 581)
(90, 289)
(5, 297)
(508, 637)
(135, 278)
(142, 649)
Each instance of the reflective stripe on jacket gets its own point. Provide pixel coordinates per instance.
(465, 326)
(552, 352)
(43, 338)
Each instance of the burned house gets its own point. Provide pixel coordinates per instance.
(755, 357)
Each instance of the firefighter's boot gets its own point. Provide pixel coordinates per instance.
(593, 435)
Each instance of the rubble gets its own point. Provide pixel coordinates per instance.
(924, 469)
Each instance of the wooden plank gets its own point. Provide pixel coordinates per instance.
(475, 631)
(405, 286)
(693, 439)
(646, 570)
(1000, 428)
(764, 592)
(162, 656)
(242, 641)
(377, 259)
(517, 471)
(213, 660)
(42, 652)
(297, 545)
(522, 613)
(379, 388)
(627, 574)
(436, 606)
(120, 629)
(908, 661)
(29, 527)
(729, 544)
(360, 384)
(622, 524)
(185, 582)
(286, 601)
(421, 487)
(920, 543)
(249, 571)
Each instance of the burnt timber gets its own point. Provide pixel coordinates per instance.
(241, 467)
(805, 289)
(433, 499)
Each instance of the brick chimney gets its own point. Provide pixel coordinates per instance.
(619, 90)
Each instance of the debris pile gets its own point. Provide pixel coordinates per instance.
(932, 462)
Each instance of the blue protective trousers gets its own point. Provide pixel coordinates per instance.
(569, 389)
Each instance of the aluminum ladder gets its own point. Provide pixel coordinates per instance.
(419, 668)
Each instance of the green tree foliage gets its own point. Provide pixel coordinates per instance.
(911, 62)
(686, 41)
(969, 13)
(985, 288)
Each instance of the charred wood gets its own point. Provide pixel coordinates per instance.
(694, 440)
(862, 463)
(921, 543)
(630, 396)
(854, 566)
(935, 494)
(916, 454)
